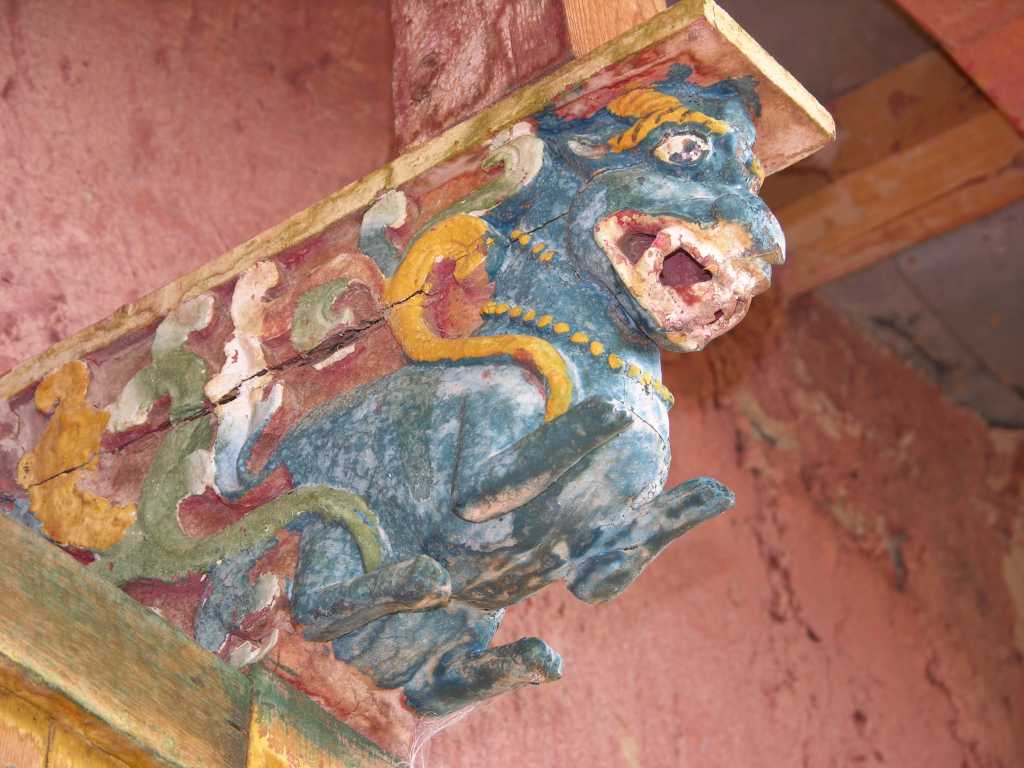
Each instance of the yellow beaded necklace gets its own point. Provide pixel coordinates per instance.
(596, 348)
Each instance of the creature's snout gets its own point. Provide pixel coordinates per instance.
(691, 282)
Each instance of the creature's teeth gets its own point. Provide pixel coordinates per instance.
(544, 321)
(561, 328)
(614, 362)
(596, 348)
(530, 314)
(515, 312)
(579, 338)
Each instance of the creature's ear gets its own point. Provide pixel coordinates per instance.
(590, 147)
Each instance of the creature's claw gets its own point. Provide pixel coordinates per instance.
(525, 470)
(691, 503)
(605, 575)
(466, 677)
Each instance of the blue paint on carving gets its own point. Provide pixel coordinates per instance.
(422, 443)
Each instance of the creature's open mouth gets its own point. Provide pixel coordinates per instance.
(680, 269)
(694, 283)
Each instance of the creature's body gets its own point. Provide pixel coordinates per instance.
(536, 450)
(484, 497)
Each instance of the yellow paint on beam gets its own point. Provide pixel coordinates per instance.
(69, 750)
(67, 450)
(463, 237)
(24, 732)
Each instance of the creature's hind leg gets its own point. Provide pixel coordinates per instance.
(605, 575)
(333, 595)
(465, 675)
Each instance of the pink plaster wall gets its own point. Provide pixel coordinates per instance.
(856, 608)
(140, 139)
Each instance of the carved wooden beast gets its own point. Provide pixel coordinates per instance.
(530, 449)
(537, 449)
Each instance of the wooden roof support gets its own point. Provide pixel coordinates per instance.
(920, 151)
(86, 653)
(986, 38)
(77, 650)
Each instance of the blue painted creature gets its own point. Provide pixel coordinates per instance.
(536, 449)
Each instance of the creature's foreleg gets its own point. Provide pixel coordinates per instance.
(465, 676)
(523, 471)
(603, 576)
(411, 585)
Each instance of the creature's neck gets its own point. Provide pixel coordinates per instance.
(539, 293)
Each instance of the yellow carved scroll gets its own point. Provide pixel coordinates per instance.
(68, 449)
(463, 239)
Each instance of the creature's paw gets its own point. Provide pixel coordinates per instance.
(426, 584)
(538, 661)
(692, 502)
(417, 584)
(603, 577)
(463, 678)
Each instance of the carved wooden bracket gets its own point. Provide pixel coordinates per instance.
(437, 391)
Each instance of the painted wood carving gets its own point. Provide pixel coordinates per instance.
(361, 449)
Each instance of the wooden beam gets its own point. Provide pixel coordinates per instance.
(920, 151)
(454, 59)
(792, 125)
(91, 678)
(592, 23)
(986, 38)
(85, 652)
(288, 728)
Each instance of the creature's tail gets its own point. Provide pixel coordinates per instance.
(170, 557)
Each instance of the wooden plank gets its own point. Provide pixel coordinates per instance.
(24, 732)
(593, 23)
(986, 38)
(920, 152)
(502, 45)
(452, 60)
(70, 750)
(108, 667)
(904, 107)
(288, 729)
(792, 125)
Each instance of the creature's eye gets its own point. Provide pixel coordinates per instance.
(683, 149)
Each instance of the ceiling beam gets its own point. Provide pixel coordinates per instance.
(920, 151)
(986, 38)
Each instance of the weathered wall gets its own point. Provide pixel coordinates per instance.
(140, 140)
(855, 608)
